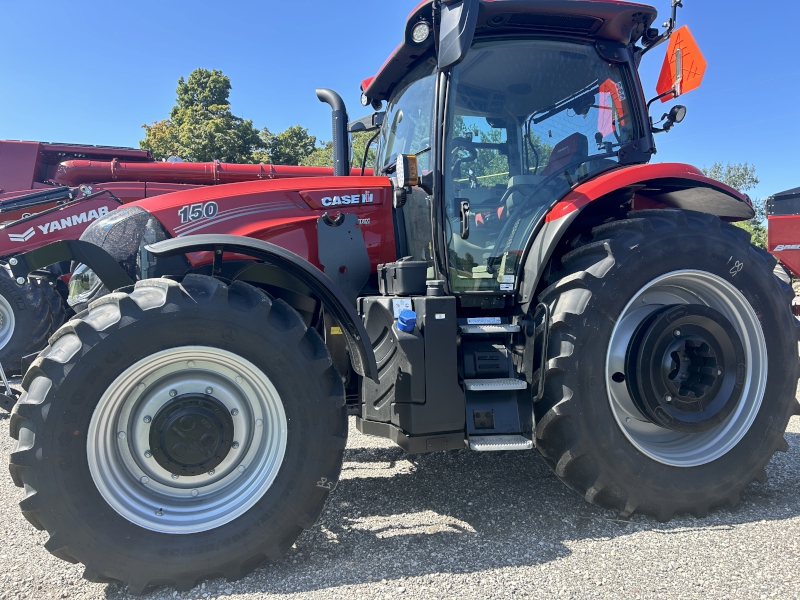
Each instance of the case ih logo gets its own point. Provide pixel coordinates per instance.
(22, 237)
(365, 198)
(783, 247)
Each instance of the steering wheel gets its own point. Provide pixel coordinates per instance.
(467, 144)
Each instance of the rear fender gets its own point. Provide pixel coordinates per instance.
(650, 186)
(297, 274)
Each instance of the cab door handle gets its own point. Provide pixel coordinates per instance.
(465, 219)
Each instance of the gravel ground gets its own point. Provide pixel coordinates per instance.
(468, 525)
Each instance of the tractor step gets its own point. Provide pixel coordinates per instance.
(488, 329)
(488, 385)
(498, 443)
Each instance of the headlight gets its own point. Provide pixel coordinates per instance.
(83, 285)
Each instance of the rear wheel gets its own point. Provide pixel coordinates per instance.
(193, 430)
(673, 365)
(25, 319)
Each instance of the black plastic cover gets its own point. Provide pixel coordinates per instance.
(403, 278)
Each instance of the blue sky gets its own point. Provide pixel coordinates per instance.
(94, 71)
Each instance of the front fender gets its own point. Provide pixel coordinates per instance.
(332, 298)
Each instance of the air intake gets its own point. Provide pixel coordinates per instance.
(570, 23)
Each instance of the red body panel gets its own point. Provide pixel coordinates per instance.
(66, 223)
(284, 212)
(784, 230)
(626, 176)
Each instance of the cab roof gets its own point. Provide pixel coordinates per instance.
(613, 20)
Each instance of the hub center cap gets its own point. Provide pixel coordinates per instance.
(685, 368)
(191, 434)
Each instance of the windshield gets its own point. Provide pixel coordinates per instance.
(528, 119)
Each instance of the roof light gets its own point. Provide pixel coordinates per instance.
(420, 32)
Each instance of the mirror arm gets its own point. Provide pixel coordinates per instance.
(660, 96)
(670, 25)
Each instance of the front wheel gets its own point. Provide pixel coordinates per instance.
(193, 430)
(673, 364)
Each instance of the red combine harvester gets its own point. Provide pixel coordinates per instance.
(52, 192)
(515, 276)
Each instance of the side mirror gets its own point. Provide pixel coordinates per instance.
(684, 66)
(457, 30)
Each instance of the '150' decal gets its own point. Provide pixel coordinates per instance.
(194, 212)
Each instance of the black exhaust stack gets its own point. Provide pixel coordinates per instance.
(341, 139)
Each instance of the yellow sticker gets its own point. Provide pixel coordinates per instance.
(336, 331)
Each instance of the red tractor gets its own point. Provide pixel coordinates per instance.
(514, 276)
(52, 192)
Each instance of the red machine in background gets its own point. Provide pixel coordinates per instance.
(783, 232)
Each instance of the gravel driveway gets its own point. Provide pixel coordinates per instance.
(469, 525)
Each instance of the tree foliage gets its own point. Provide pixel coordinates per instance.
(201, 126)
(743, 177)
(290, 147)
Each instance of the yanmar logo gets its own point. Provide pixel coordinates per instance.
(58, 225)
(782, 247)
(22, 237)
(365, 198)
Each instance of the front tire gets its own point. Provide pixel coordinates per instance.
(191, 431)
(605, 425)
(25, 319)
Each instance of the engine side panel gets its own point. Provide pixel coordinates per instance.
(284, 213)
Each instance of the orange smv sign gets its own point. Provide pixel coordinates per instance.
(684, 65)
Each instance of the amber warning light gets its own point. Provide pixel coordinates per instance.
(684, 66)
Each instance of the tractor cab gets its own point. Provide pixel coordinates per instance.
(542, 98)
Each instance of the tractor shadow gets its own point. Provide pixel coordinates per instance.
(395, 516)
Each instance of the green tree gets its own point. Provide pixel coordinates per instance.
(201, 126)
(322, 155)
(290, 147)
(743, 177)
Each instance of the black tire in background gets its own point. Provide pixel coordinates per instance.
(94, 351)
(578, 432)
(25, 319)
(57, 306)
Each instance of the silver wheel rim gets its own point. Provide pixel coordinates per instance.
(7, 321)
(149, 496)
(663, 445)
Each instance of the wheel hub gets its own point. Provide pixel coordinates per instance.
(685, 368)
(191, 434)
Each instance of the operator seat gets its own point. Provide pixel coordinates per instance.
(569, 150)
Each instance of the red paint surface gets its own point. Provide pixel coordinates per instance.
(784, 230)
(284, 212)
(624, 176)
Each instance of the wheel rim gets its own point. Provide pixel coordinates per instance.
(689, 287)
(7, 321)
(138, 485)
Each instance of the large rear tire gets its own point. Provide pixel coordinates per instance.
(25, 319)
(179, 432)
(620, 300)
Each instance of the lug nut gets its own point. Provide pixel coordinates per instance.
(190, 364)
(174, 476)
(235, 445)
(259, 422)
(242, 469)
(719, 371)
(677, 333)
(239, 379)
(148, 419)
(148, 454)
(195, 493)
(234, 411)
(668, 399)
(211, 472)
(121, 435)
(173, 393)
(21, 280)
(13, 262)
(144, 480)
(209, 391)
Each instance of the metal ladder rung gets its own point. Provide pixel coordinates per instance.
(498, 443)
(488, 385)
(488, 329)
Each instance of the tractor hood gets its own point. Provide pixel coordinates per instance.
(283, 212)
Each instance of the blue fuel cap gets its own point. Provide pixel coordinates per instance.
(407, 321)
